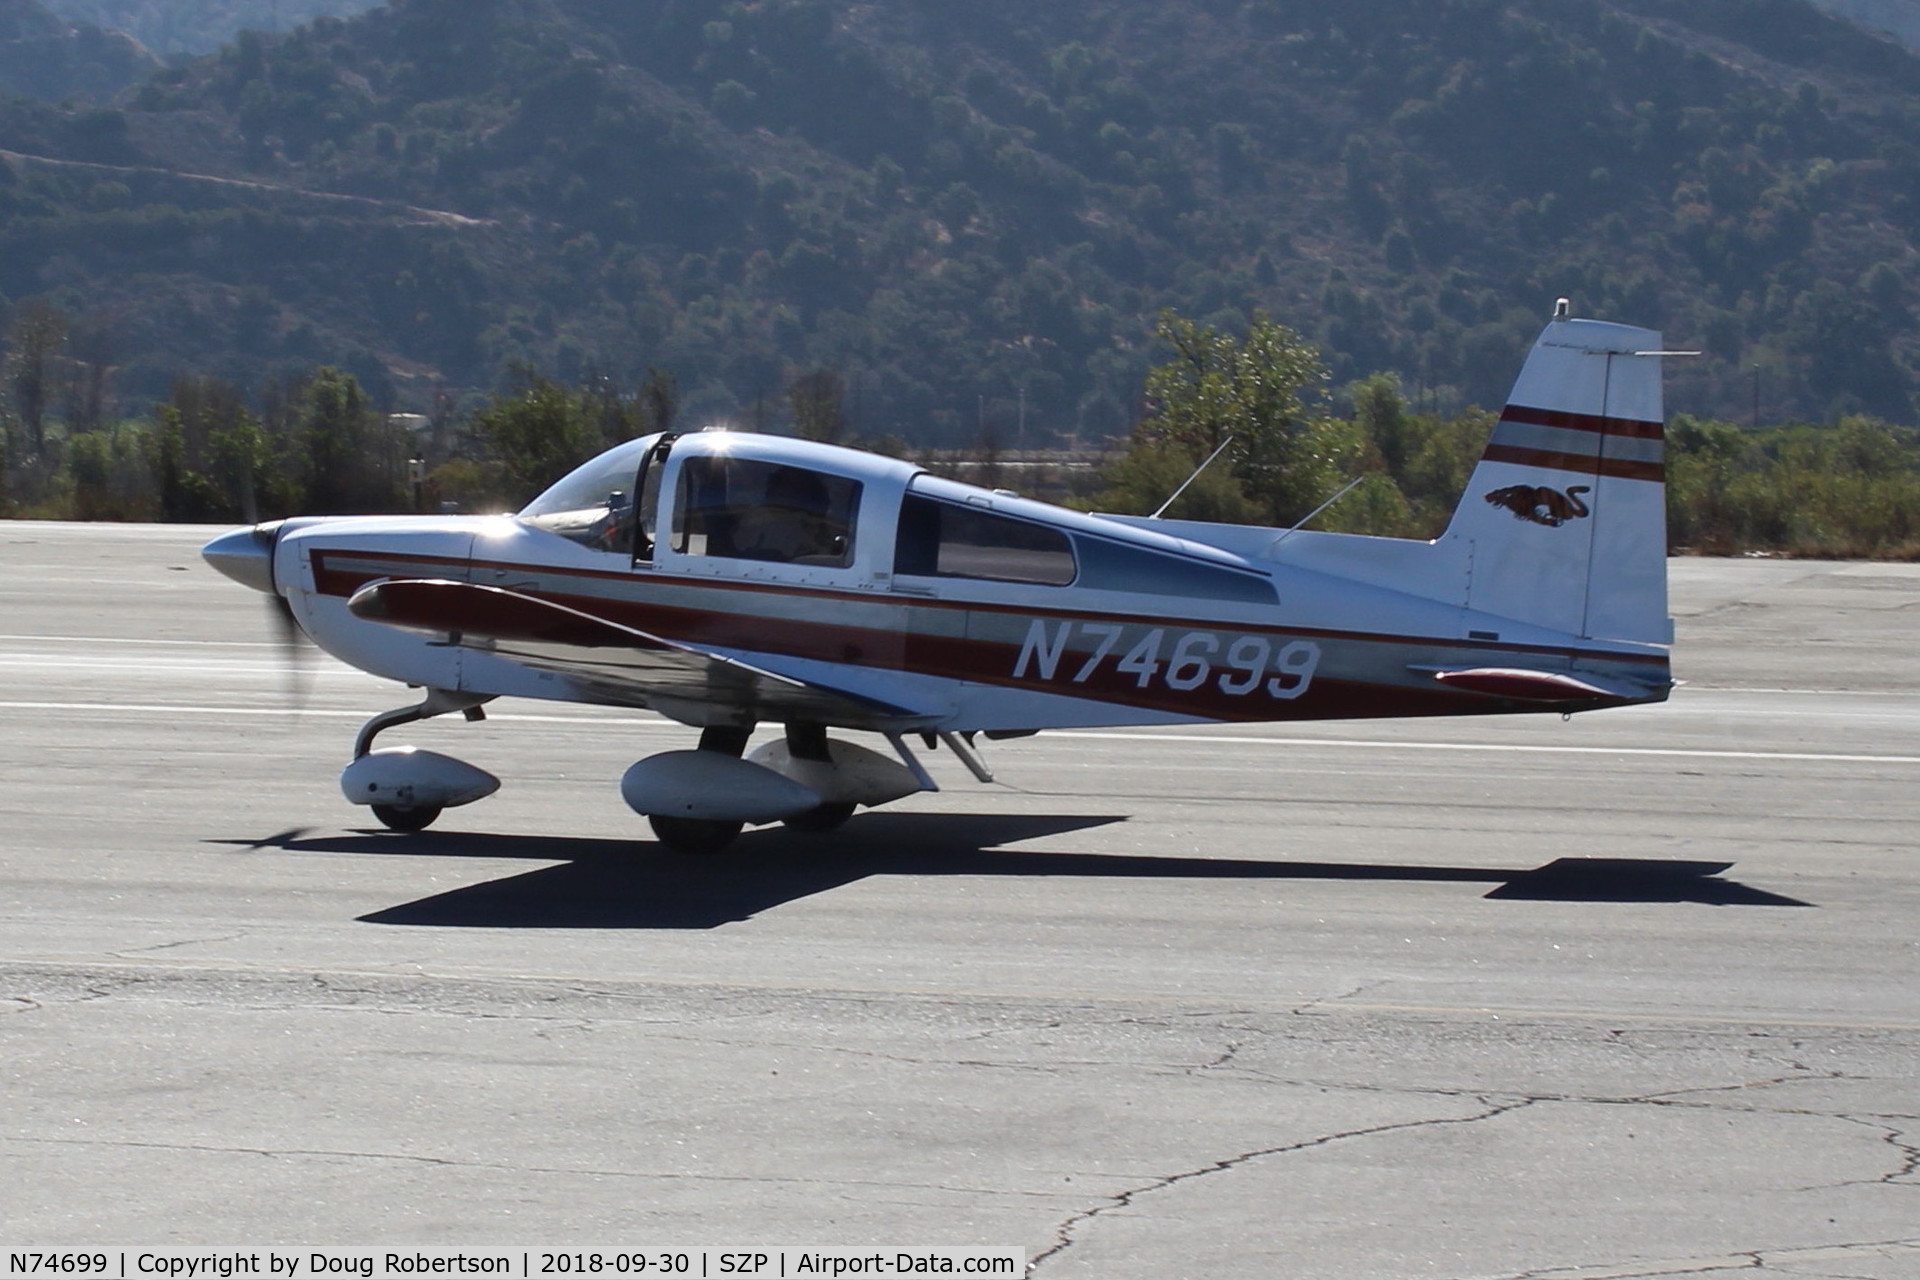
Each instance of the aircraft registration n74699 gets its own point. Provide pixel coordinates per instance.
(730, 581)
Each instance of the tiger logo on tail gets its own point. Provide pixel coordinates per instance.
(1542, 505)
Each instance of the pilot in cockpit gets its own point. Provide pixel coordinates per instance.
(794, 522)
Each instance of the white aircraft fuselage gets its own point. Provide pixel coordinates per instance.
(729, 580)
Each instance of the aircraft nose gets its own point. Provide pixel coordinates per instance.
(245, 555)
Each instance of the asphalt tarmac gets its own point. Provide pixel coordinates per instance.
(1636, 994)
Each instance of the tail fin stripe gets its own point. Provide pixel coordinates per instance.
(1582, 422)
(1581, 464)
(1577, 443)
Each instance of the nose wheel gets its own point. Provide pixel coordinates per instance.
(407, 789)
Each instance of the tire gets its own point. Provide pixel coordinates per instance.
(693, 835)
(827, 817)
(418, 818)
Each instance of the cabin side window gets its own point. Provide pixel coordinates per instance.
(947, 540)
(750, 510)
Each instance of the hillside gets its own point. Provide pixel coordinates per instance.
(1898, 18)
(974, 212)
(174, 27)
(44, 56)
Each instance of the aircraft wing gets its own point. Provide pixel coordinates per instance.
(611, 662)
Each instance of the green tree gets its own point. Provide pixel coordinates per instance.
(90, 462)
(818, 401)
(1266, 391)
(185, 493)
(1705, 460)
(1426, 460)
(211, 458)
(537, 434)
(1380, 412)
(1145, 476)
(39, 330)
(660, 393)
(353, 463)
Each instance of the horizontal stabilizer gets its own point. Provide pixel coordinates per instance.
(1539, 686)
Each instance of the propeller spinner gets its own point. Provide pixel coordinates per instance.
(246, 556)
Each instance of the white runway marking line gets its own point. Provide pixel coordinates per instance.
(1181, 739)
(1382, 743)
(178, 709)
(218, 644)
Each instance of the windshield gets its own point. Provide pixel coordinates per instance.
(593, 503)
(590, 483)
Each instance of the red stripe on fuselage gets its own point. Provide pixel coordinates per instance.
(982, 660)
(345, 583)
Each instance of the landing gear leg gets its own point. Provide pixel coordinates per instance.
(438, 702)
(704, 835)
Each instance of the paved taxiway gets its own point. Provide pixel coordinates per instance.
(1297, 1001)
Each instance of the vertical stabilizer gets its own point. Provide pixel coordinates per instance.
(1563, 524)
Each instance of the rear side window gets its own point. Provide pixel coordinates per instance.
(947, 540)
(1114, 566)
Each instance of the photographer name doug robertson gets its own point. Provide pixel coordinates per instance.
(226, 1266)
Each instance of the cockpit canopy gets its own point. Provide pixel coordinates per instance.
(820, 508)
(740, 497)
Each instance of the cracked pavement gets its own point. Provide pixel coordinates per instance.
(1261, 1007)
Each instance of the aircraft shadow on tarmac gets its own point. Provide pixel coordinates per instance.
(631, 884)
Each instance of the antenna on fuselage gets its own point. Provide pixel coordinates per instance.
(1306, 519)
(1190, 479)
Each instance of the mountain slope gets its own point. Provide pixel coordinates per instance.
(174, 27)
(1899, 18)
(43, 56)
(971, 211)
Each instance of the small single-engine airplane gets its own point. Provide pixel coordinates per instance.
(729, 580)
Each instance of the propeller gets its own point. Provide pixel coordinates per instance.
(296, 646)
(247, 556)
(296, 650)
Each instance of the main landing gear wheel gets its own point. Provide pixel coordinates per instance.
(828, 817)
(417, 818)
(693, 835)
